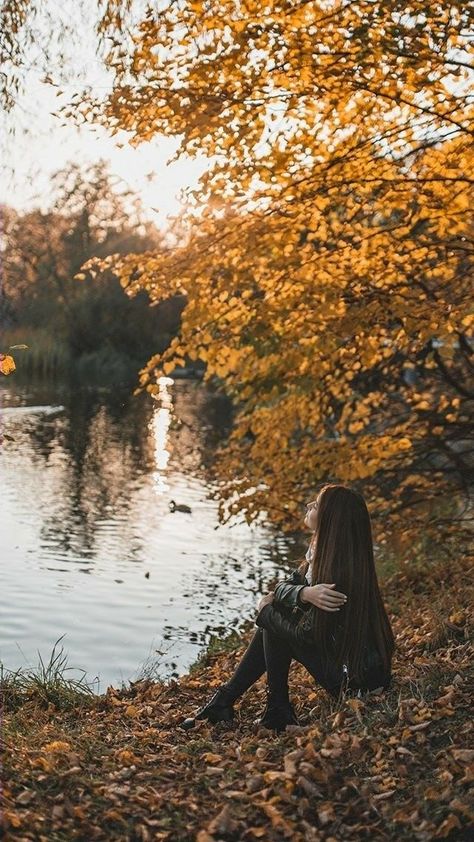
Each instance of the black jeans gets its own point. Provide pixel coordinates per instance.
(273, 654)
(267, 652)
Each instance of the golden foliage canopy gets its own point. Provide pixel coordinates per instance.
(327, 251)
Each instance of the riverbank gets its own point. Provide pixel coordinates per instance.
(393, 766)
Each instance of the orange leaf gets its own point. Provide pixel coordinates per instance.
(57, 746)
(7, 364)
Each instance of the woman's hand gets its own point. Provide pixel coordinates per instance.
(265, 600)
(323, 596)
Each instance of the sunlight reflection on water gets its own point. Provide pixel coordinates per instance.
(89, 546)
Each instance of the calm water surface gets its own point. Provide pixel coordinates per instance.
(89, 547)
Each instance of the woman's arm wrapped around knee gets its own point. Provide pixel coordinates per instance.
(274, 620)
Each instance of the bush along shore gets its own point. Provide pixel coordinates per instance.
(392, 765)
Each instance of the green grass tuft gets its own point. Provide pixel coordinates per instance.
(47, 685)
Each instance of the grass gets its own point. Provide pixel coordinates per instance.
(47, 685)
(50, 684)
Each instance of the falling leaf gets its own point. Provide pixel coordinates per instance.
(7, 364)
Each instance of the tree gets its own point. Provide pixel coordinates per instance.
(34, 37)
(94, 214)
(328, 266)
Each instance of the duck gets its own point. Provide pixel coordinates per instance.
(179, 507)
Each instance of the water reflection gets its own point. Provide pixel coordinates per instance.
(89, 546)
(159, 426)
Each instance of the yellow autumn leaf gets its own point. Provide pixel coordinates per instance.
(57, 746)
(126, 757)
(210, 757)
(7, 364)
(11, 819)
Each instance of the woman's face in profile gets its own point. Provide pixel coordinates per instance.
(310, 516)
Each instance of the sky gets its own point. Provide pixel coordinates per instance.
(43, 144)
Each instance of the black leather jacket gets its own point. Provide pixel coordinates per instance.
(282, 615)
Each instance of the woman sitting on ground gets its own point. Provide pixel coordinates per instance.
(329, 616)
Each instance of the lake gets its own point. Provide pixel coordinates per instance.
(90, 548)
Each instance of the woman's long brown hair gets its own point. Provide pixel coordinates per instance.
(343, 553)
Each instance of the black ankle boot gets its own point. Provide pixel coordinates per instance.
(277, 715)
(219, 709)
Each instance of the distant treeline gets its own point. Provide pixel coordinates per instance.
(88, 329)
